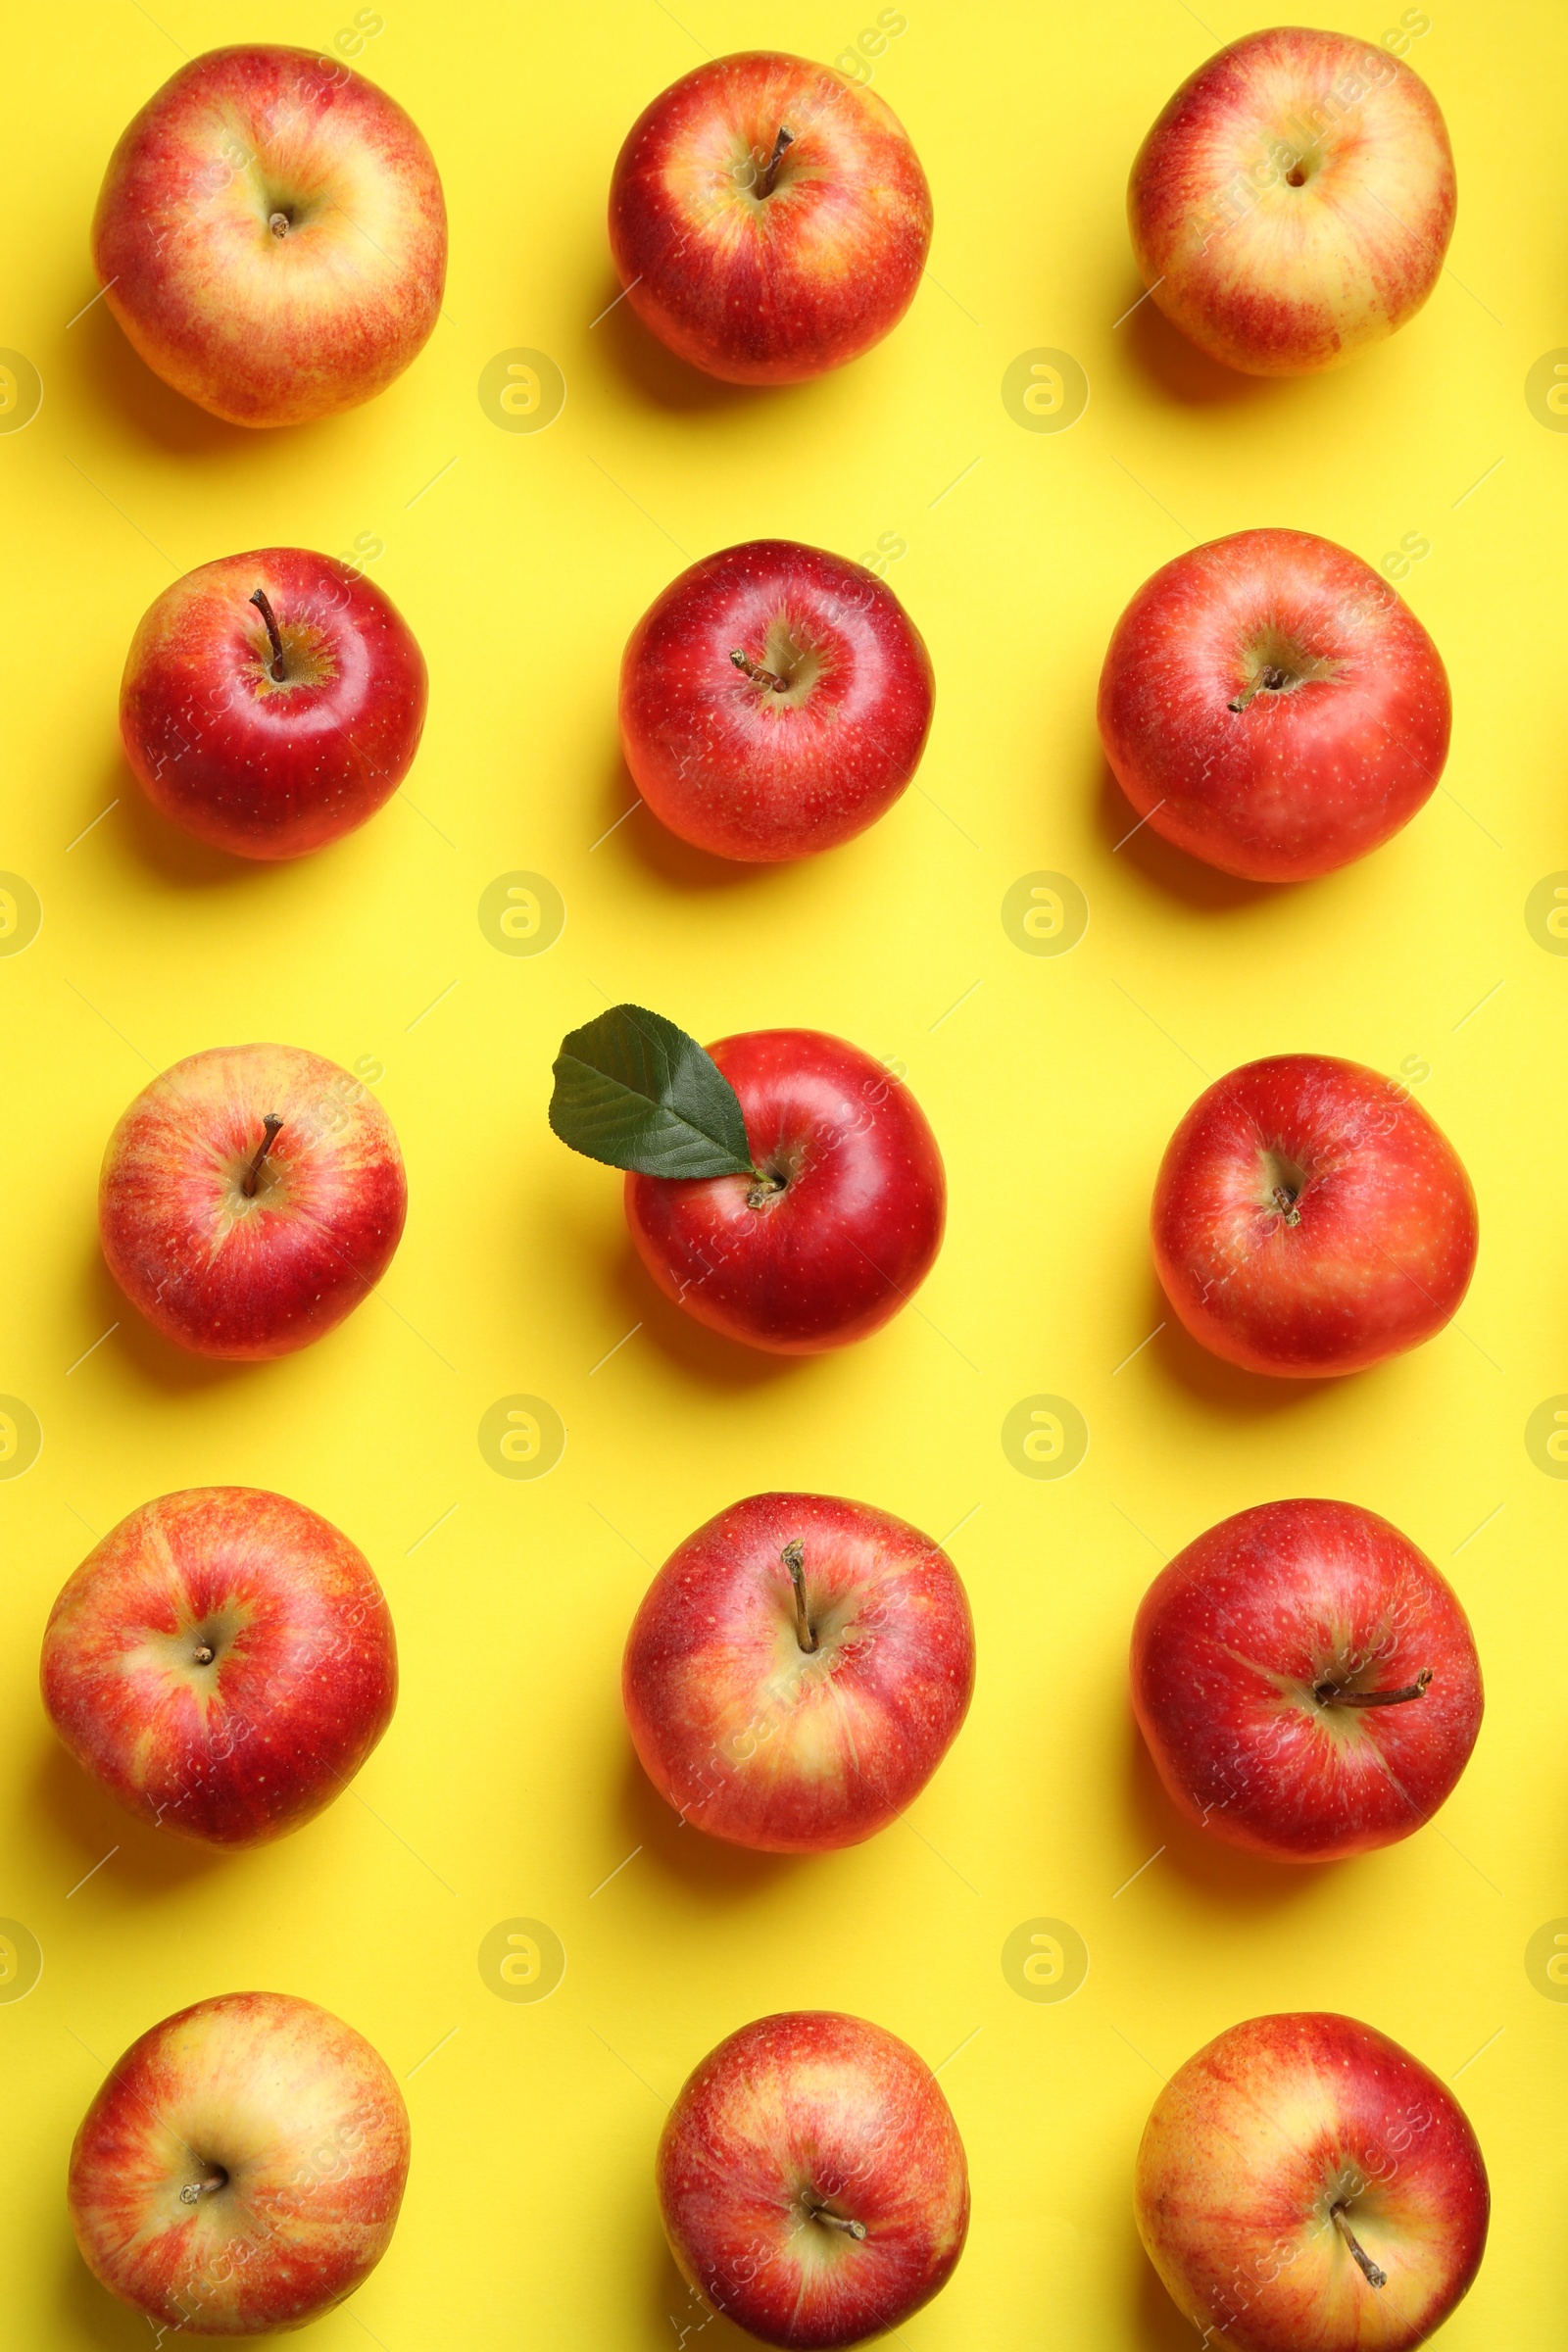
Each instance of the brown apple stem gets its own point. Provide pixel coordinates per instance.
(837, 2221)
(278, 223)
(258, 599)
(194, 2190)
(1284, 1200)
(793, 1556)
(1329, 1695)
(769, 171)
(759, 676)
(204, 1653)
(269, 1125)
(1368, 2268)
(1272, 679)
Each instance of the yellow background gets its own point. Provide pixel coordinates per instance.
(505, 1787)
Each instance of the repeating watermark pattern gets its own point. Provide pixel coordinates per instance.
(1045, 915)
(1546, 1436)
(522, 913)
(522, 1960)
(20, 391)
(872, 42)
(523, 390)
(1545, 390)
(351, 40)
(1044, 1960)
(1414, 25)
(1045, 391)
(1045, 1437)
(20, 1960)
(1547, 1960)
(1414, 548)
(21, 914)
(1546, 913)
(522, 1436)
(891, 548)
(20, 1436)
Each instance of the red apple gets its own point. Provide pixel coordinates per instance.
(1271, 706)
(774, 701)
(797, 1670)
(1293, 201)
(840, 1223)
(250, 1198)
(222, 1662)
(241, 2167)
(1310, 1219)
(1306, 1681)
(1306, 2185)
(768, 218)
(272, 236)
(812, 2182)
(272, 702)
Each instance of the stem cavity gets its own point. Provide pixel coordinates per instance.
(769, 171)
(1363, 2260)
(1330, 1694)
(269, 1127)
(1271, 681)
(793, 1556)
(275, 638)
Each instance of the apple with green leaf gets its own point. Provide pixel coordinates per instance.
(784, 1189)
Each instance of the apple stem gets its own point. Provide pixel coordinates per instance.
(204, 1653)
(269, 1126)
(194, 2190)
(278, 223)
(1274, 680)
(275, 670)
(769, 171)
(835, 2220)
(793, 1556)
(755, 672)
(1369, 2269)
(1329, 1695)
(1284, 1200)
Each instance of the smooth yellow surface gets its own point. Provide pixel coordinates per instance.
(505, 1788)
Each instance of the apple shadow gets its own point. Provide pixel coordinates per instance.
(164, 851)
(123, 387)
(1181, 372)
(89, 2313)
(1139, 849)
(717, 1875)
(1238, 1883)
(703, 1356)
(651, 371)
(663, 855)
(676, 2308)
(1157, 2324)
(175, 1371)
(153, 1862)
(1209, 1381)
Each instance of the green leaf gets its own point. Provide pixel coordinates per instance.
(636, 1092)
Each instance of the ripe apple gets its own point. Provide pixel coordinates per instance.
(272, 702)
(224, 1662)
(797, 1670)
(1310, 1219)
(768, 218)
(1293, 201)
(1303, 2182)
(812, 2182)
(841, 1221)
(1306, 1681)
(1271, 704)
(272, 236)
(774, 701)
(241, 2167)
(250, 1198)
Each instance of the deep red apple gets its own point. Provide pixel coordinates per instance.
(1271, 706)
(797, 1670)
(812, 2182)
(840, 1224)
(774, 701)
(241, 2167)
(272, 236)
(1293, 201)
(768, 218)
(250, 1198)
(224, 1662)
(1310, 1219)
(272, 702)
(1306, 2185)
(1306, 1681)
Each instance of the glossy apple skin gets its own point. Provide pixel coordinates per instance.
(1282, 280)
(768, 289)
(747, 769)
(1308, 777)
(1386, 1239)
(257, 766)
(1254, 2141)
(787, 1749)
(1236, 1638)
(300, 1686)
(247, 1278)
(795, 2114)
(259, 329)
(854, 1228)
(308, 2123)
